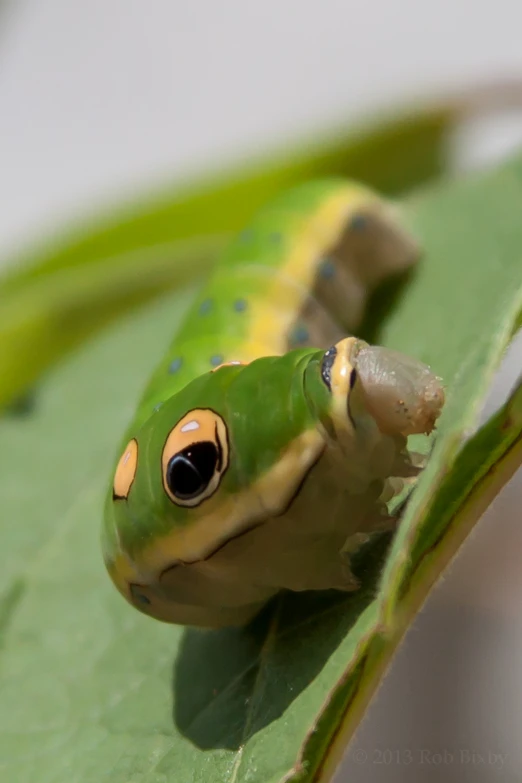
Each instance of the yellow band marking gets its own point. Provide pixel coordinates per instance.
(319, 233)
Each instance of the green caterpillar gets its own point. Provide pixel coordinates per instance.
(258, 460)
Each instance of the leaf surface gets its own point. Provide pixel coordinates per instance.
(91, 690)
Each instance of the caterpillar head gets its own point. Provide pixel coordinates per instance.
(232, 450)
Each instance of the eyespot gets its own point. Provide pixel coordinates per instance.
(195, 457)
(125, 471)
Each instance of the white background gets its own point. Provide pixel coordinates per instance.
(100, 100)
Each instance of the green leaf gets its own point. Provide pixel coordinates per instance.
(392, 153)
(92, 690)
(46, 317)
(55, 297)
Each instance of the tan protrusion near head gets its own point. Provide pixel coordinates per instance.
(126, 471)
(402, 394)
(201, 426)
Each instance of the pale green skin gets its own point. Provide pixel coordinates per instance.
(312, 458)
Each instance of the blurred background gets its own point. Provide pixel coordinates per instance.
(103, 100)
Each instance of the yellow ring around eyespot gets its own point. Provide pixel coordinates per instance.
(126, 471)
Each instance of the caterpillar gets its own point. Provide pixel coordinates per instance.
(269, 439)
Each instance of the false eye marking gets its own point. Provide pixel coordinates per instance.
(195, 457)
(125, 471)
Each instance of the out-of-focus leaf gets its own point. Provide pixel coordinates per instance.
(44, 319)
(92, 690)
(54, 298)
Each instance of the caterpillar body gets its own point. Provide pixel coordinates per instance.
(268, 441)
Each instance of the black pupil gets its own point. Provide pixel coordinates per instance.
(190, 471)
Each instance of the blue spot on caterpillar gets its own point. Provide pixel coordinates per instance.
(327, 269)
(358, 222)
(205, 306)
(138, 596)
(240, 305)
(246, 236)
(216, 360)
(175, 364)
(299, 335)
